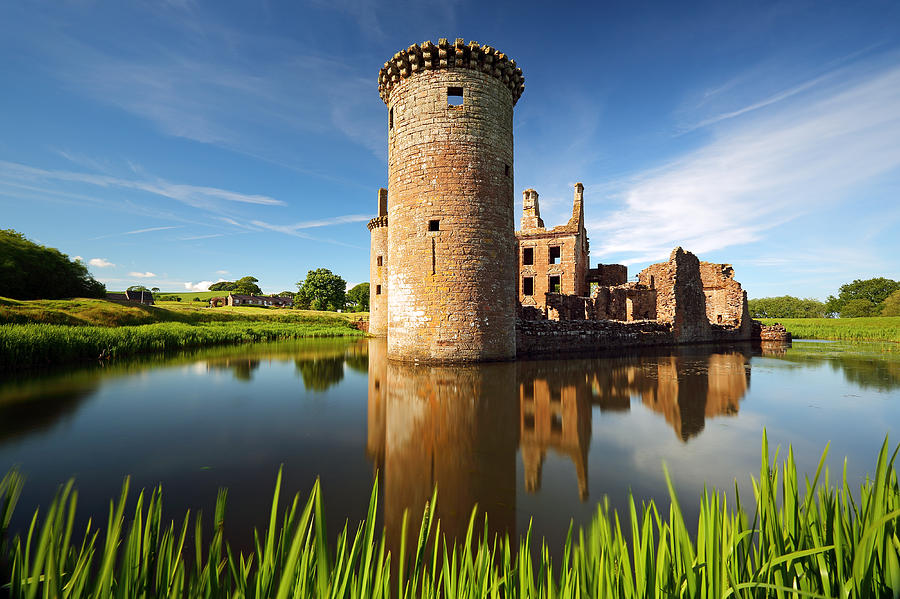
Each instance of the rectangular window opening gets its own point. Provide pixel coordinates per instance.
(391, 118)
(527, 256)
(377, 289)
(506, 169)
(555, 254)
(555, 286)
(454, 96)
(379, 261)
(528, 286)
(434, 225)
(556, 423)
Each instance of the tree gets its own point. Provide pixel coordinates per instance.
(243, 286)
(786, 306)
(138, 288)
(32, 271)
(358, 298)
(857, 308)
(155, 290)
(321, 290)
(285, 294)
(875, 291)
(892, 305)
(247, 286)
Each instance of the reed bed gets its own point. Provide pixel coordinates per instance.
(878, 328)
(35, 345)
(820, 540)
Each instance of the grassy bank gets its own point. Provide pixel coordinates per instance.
(826, 541)
(48, 332)
(882, 328)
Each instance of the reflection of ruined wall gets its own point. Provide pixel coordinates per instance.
(686, 389)
(378, 229)
(555, 414)
(572, 241)
(454, 428)
(679, 295)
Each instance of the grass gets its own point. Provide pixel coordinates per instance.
(48, 332)
(820, 540)
(36, 345)
(879, 328)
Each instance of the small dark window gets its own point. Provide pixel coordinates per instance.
(529, 422)
(555, 286)
(434, 225)
(377, 384)
(379, 261)
(554, 254)
(391, 118)
(454, 96)
(527, 256)
(556, 423)
(377, 289)
(528, 286)
(506, 168)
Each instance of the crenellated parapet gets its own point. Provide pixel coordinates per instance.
(444, 55)
(378, 221)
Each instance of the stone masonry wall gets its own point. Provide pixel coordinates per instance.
(608, 275)
(378, 268)
(679, 295)
(726, 301)
(452, 290)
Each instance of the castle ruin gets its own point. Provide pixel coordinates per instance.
(451, 279)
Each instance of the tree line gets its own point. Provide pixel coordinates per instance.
(29, 270)
(863, 297)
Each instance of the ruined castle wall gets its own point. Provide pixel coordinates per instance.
(725, 299)
(608, 275)
(569, 268)
(452, 290)
(550, 337)
(679, 296)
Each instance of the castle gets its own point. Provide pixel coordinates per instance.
(451, 279)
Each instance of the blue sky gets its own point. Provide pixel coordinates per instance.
(177, 143)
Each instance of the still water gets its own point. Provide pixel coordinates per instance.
(541, 441)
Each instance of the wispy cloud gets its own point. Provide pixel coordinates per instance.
(137, 232)
(759, 174)
(100, 262)
(142, 275)
(313, 224)
(221, 272)
(197, 196)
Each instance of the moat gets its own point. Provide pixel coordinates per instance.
(543, 439)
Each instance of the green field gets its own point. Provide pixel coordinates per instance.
(879, 328)
(795, 537)
(44, 332)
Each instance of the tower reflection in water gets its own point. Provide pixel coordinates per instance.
(458, 427)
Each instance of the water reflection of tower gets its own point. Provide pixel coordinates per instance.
(555, 414)
(450, 427)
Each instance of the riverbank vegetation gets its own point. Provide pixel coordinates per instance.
(880, 328)
(821, 539)
(43, 332)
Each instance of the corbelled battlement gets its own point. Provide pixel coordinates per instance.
(445, 55)
(378, 221)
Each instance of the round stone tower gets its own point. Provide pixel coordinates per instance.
(451, 240)
(378, 230)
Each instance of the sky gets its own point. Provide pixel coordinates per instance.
(177, 143)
